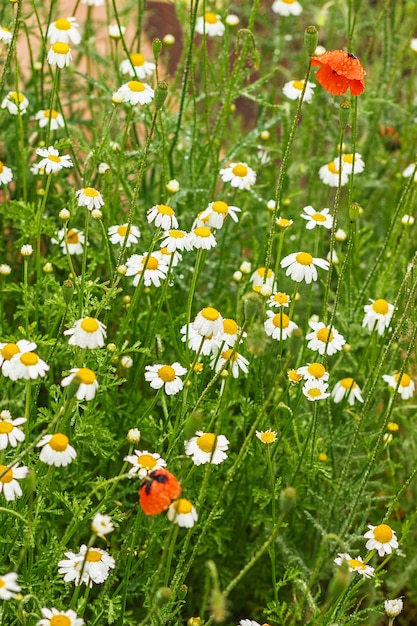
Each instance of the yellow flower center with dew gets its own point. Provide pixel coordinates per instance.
(29, 358)
(59, 442)
(202, 231)
(211, 314)
(16, 97)
(93, 556)
(405, 380)
(318, 217)
(183, 506)
(348, 383)
(54, 158)
(60, 47)
(9, 350)
(298, 84)
(8, 476)
(314, 392)
(72, 236)
(89, 325)
(122, 230)
(50, 114)
(220, 207)
(1, 167)
(136, 86)
(5, 427)
(380, 306)
(62, 24)
(332, 167)
(165, 210)
(152, 262)
(60, 620)
(147, 461)
(85, 376)
(230, 327)
(176, 234)
(268, 436)
(383, 533)
(240, 170)
(207, 442)
(229, 355)
(316, 369)
(137, 59)
(354, 563)
(261, 272)
(167, 373)
(325, 335)
(281, 298)
(304, 258)
(281, 320)
(90, 192)
(210, 18)
(348, 158)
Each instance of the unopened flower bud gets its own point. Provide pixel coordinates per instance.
(287, 499)
(64, 215)
(161, 93)
(311, 36)
(26, 250)
(133, 435)
(121, 270)
(344, 113)
(67, 291)
(156, 48)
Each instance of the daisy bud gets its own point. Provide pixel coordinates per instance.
(354, 211)
(237, 276)
(64, 215)
(5, 269)
(168, 40)
(265, 135)
(111, 347)
(245, 267)
(156, 48)
(344, 113)
(163, 596)
(173, 186)
(232, 20)
(133, 435)
(96, 214)
(161, 93)
(126, 362)
(340, 235)
(311, 36)
(121, 270)
(26, 250)
(393, 607)
(67, 291)
(48, 268)
(287, 499)
(194, 621)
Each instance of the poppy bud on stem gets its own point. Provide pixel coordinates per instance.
(156, 48)
(161, 93)
(344, 113)
(311, 36)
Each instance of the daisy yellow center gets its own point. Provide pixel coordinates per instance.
(29, 358)
(183, 506)
(210, 314)
(136, 85)
(383, 533)
(325, 335)
(284, 223)
(50, 114)
(60, 47)
(288, 1)
(90, 192)
(85, 376)
(354, 563)
(210, 18)
(314, 392)
(89, 325)
(8, 476)
(380, 306)
(318, 217)
(147, 461)
(304, 258)
(405, 380)
(261, 272)
(122, 230)
(60, 620)
(392, 426)
(1, 167)
(167, 373)
(198, 367)
(268, 437)
(5, 427)
(2, 583)
(165, 210)
(93, 556)
(294, 376)
(62, 24)
(281, 320)
(55, 158)
(176, 234)
(298, 84)
(16, 97)
(332, 168)
(59, 442)
(230, 355)
(9, 350)
(207, 442)
(316, 369)
(240, 170)
(281, 298)
(137, 59)
(348, 158)
(220, 207)
(202, 231)
(152, 263)
(230, 327)
(348, 383)
(323, 456)
(72, 236)
(165, 251)
(4, 29)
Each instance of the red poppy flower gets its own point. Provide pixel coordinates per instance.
(339, 71)
(157, 491)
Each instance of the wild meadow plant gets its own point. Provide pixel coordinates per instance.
(207, 314)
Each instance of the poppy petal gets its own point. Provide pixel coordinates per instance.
(157, 492)
(331, 81)
(356, 87)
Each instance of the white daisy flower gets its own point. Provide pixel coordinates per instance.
(317, 218)
(378, 315)
(182, 513)
(50, 117)
(52, 161)
(174, 240)
(6, 35)
(231, 332)
(155, 264)
(171, 258)
(53, 617)
(102, 525)
(203, 344)
(283, 222)
(409, 170)
(162, 216)
(239, 175)
(6, 174)
(9, 350)
(355, 565)
(206, 448)
(142, 68)
(135, 92)
(294, 88)
(217, 212)
(115, 32)
(93, 3)
(406, 385)
(8, 586)
(393, 607)
(71, 240)
(117, 234)
(313, 371)
(262, 278)
(56, 450)
(248, 622)
(201, 237)
(59, 54)
(287, 7)
(210, 24)
(15, 102)
(352, 163)
(166, 376)
(329, 174)
(84, 380)
(279, 300)
(208, 321)
(64, 29)
(144, 462)
(302, 266)
(94, 563)
(347, 388)
(8, 482)
(315, 389)
(90, 198)
(235, 362)
(381, 538)
(323, 339)
(5, 270)
(26, 365)
(279, 326)
(267, 436)
(87, 332)
(10, 433)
